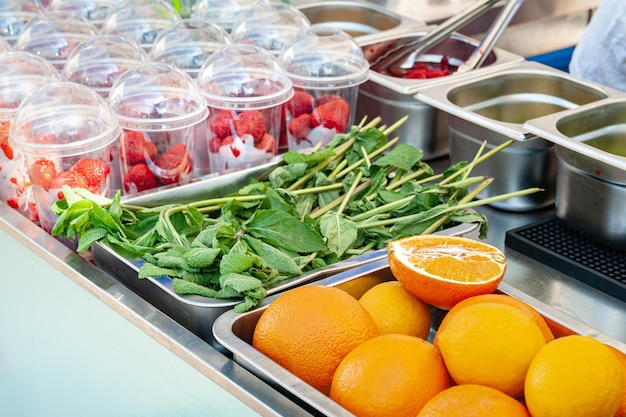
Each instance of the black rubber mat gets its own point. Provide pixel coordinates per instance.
(551, 242)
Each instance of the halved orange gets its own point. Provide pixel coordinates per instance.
(444, 270)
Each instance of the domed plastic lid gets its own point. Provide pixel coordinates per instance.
(269, 25)
(324, 57)
(223, 12)
(244, 77)
(188, 43)
(95, 11)
(63, 119)
(140, 20)
(54, 35)
(98, 62)
(15, 14)
(155, 96)
(22, 73)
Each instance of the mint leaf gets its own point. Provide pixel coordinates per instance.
(403, 156)
(340, 233)
(283, 230)
(273, 258)
(237, 260)
(201, 257)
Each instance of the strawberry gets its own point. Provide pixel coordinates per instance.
(222, 124)
(42, 172)
(267, 143)
(300, 127)
(250, 122)
(332, 115)
(72, 179)
(178, 149)
(214, 144)
(94, 171)
(300, 103)
(4, 139)
(136, 148)
(173, 163)
(326, 98)
(139, 178)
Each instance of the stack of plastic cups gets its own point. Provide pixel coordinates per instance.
(221, 12)
(187, 43)
(54, 35)
(67, 135)
(245, 88)
(159, 108)
(326, 67)
(94, 11)
(98, 62)
(140, 21)
(21, 73)
(14, 15)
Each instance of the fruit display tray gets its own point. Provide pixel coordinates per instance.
(551, 242)
(194, 312)
(234, 332)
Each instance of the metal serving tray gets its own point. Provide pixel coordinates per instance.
(234, 332)
(195, 312)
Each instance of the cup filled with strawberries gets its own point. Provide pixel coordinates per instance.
(68, 137)
(245, 88)
(161, 112)
(325, 66)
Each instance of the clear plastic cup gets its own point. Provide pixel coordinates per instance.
(21, 73)
(68, 136)
(140, 21)
(14, 15)
(222, 12)
(186, 44)
(54, 35)
(159, 108)
(98, 62)
(5, 46)
(95, 11)
(326, 67)
(269, 26)
(245, 88)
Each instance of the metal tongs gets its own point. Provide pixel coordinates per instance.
(404, 55)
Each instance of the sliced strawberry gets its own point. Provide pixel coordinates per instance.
(300, 103)
(94, 171)
(250, 122)
(326, 98)
(136, 148)
(42, 172)
(222, 124)
(267, 143)
(139, 178)
(300, 127)
(332, 115)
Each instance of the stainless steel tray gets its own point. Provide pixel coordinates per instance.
(234, 332)
(195, 312)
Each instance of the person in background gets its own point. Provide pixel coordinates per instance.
(600, 55)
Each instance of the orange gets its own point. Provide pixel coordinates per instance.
(470, 400)
(443, 270)
(574, 376)
(490, 344)
(498, 298)
(621, 356)
(358, 286)
(390, 375)
(308, 330)
(395, 310)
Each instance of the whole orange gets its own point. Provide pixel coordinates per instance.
(396, 310)
(443, 270)
(621, 356)
(574, 376)
(390, 375)
(471, 400)
(497, 298)
(490, 344)
(308, 330)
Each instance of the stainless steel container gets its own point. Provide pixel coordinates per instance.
(194, 312)
(234, 331)
(493, 108)
(391, 97)
(591, 176)
(357, 18)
